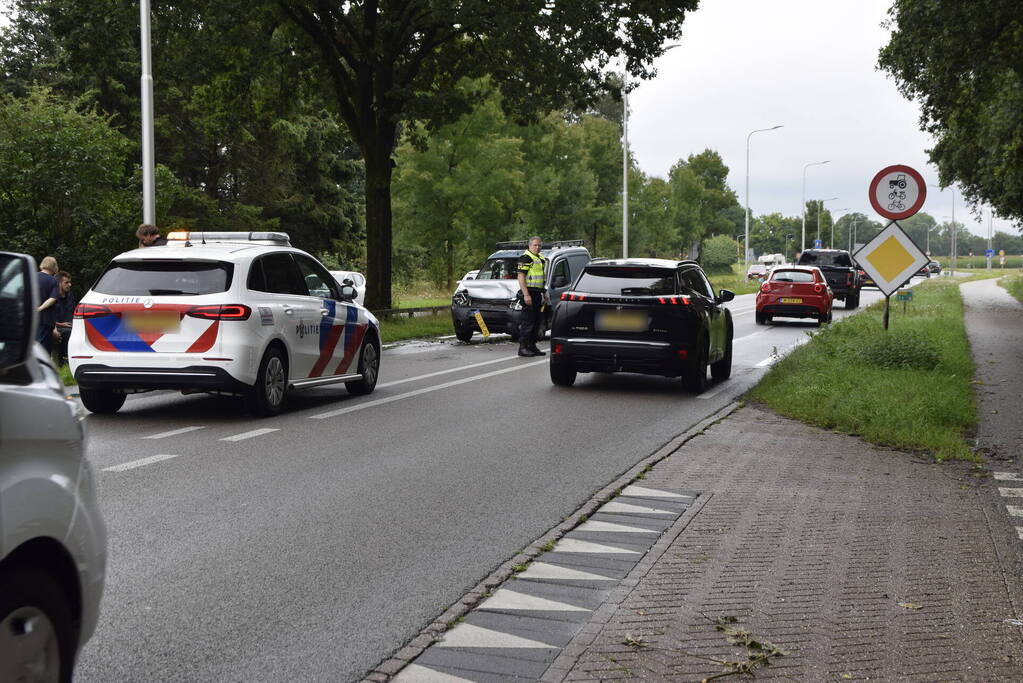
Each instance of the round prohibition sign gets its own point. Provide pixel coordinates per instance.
(897, 192)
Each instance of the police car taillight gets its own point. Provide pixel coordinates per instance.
(86, 311)
(221, 312)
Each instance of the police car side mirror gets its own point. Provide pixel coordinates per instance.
(18, 297)
(348, 293)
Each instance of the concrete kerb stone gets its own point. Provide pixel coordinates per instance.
(415, 647)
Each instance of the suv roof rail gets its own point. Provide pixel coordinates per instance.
(198, 236)
(523, 244)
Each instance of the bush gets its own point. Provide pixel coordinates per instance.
(907, 350)
(719, 253)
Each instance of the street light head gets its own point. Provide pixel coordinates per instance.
(776, 127)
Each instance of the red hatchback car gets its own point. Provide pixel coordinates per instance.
(795, 292)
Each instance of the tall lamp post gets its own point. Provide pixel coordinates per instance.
(802, 242)
(832, 242)
(820, 211)
(148, 180)
(758, 130)
(953, 248)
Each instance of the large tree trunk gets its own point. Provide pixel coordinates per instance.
(377, 154)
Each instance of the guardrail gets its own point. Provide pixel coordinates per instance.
(411, 312)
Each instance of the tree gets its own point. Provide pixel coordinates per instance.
(961, 61)
(391, 61)
(718, 254)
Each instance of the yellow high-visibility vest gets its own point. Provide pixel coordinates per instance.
(535, 274)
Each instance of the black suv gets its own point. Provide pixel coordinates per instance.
(839, 270)
(650, 316)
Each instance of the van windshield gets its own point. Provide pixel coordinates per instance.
(165, 278)
(499, 269)
(825, 258)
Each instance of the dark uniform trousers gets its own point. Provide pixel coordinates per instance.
(529, 323)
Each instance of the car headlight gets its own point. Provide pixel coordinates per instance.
(516, 304)
(461, 298)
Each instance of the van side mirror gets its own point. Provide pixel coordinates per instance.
(725, 295)
(18, 296)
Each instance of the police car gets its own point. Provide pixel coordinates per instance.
(225, 312)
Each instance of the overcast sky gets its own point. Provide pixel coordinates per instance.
(809, 65)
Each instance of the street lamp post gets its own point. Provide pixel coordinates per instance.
(953, 248)
(802, 242)
(758, 130)
(820, 210)
(148, 180)
(852, 235)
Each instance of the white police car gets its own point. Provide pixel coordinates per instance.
(226, 312)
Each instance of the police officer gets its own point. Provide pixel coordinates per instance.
(531, 283)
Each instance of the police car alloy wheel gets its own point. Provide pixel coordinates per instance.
(267, 396)
(36, 633)
(369, 368)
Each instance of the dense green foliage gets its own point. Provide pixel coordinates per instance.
(961, 62)
(719, 254)
(1014, 285)
(909, 387)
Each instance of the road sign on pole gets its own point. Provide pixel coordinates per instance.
(897, 192)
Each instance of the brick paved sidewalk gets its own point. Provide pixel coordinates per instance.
(861, 562)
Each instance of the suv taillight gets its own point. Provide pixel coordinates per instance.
(572, 296)
(684, 300)
(221, 312)
(86, 311)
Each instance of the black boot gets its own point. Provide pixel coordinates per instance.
(526, 352)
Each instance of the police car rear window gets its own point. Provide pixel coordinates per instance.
(165, 278)
(627, 281)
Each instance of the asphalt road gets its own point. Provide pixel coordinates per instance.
(314, 544)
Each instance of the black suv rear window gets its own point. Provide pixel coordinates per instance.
(165, 278)
(825, 258)
(627, 281)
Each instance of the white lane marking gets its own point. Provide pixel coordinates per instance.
(746, 337)
(715, 391)
(173, 432)
(1019, 532)
(643, 492)
(445, 372)
(1007, 476)
(1010, 493)
(250, 435)
(571, 545)
(767, 361)
(612, 527)
(543, 570)
(508, 599)
(467, 635)
(418, 392)
(636, 509)
(138, 463)
(417, 673)
(1014, 510)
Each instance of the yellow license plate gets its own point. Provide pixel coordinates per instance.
(792, 301)
(159, 321)
(621, 321)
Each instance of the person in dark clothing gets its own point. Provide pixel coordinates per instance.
(49, 292)
(149, 236)
(532, 285)
(65, 308)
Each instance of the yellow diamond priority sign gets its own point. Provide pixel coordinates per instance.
(891, 258)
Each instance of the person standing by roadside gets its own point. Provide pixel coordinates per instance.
(531, 275)
(49, 292)
(149, 236)
(65, 312)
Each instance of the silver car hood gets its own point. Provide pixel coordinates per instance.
(490, 289)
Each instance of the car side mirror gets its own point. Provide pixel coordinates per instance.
(725, 295)
(348, 292)
(559, 281)
(18, 296)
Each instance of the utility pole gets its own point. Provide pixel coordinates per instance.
(148, 154)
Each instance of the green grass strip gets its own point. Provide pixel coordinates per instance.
(910, 388)
(1014, 285)
(398, 328)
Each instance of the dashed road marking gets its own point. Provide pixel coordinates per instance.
(1011, 493)
(467, 635)
(571, 545)
(1007, 476)
(503, 359)
(173, 432)
(138, 463)
(421, 674)
(510, 600)
(249, 435)
(1014, 510)
(635, 509)
(643, 492)
(424, 390)
(767, 361)
(543, 570)
(1019, 532)
(597, 526)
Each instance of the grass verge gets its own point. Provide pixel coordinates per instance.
(735, 281)
(1014, 285)
(399, 328)
(66, 377)
(910, 388)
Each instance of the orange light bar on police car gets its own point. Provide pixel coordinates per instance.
(181, 235)
(221, 312)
